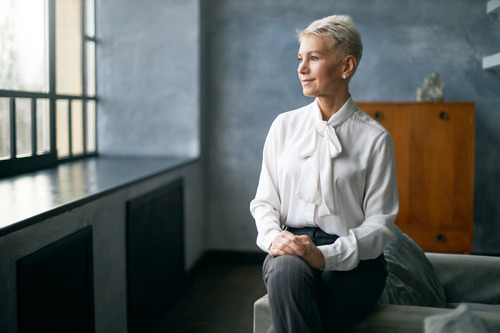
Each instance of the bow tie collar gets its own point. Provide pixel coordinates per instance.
(319, 146)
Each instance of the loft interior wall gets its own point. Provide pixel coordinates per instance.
(147, 75)
(249, 53)
(148, 72)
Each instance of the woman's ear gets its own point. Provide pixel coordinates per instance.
(349, 66)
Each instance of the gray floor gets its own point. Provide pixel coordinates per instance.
(220, 299)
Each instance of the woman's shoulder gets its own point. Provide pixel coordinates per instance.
(369, 123)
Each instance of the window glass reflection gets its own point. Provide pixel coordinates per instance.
(76, 128)
(23, 127)
(68, 47)
(4, 128)
(91, 127)
(23, 45)
(62, 119)
(43, 126)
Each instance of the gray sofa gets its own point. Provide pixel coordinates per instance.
(423, 292)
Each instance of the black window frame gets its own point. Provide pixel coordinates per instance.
(16, 165)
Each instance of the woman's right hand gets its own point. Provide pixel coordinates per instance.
(287, 243)
(301, 246)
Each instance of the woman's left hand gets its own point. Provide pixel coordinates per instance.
(312, 255)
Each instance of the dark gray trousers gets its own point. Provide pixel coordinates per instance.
(303, 299)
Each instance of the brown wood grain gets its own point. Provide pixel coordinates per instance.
(434, 148)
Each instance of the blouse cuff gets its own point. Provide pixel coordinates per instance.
(265, 241)
(330, 257)
(335, 260)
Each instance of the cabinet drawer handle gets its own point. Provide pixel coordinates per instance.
(379, 115)
(443, 115)
(441, 238)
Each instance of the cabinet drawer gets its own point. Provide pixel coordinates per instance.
(442, 241)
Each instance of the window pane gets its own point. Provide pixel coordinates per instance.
(90, 19)
(4, 128)
(90, 46)
(23, 127)
(68, 47)
(91, 128)
(42, 126)
(77, 127)
(62, 128)
(23, 45)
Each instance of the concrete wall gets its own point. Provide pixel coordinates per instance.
(249, 68)
(147, 77)
(107, 215)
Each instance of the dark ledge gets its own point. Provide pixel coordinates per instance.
(36, 196)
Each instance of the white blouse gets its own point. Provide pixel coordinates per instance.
(338, 175)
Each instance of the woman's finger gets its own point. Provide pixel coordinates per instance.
(287, 243)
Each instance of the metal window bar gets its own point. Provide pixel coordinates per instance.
(52, 76)
(84, 73)
(34, 128)
(13, 129)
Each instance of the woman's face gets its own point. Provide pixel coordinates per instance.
(320, 70)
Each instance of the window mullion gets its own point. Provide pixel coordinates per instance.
(84, 74)
(84, 48)
(33, 127)
(52, 76)
(13, 129)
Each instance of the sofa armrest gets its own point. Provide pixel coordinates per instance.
(409, 319)
(468, 278)
(261, 315)
(385, 318)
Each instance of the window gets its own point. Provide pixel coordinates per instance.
(47, 83)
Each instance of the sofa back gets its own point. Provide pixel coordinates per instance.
(468, 278)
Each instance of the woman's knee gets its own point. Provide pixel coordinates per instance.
(287, 270)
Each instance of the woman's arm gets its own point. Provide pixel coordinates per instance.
(380, 206)
(265, 207)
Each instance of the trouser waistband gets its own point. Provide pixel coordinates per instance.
(318, 236)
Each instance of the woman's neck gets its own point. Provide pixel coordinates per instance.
(329, 106)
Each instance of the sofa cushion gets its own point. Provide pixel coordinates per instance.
(495, 308)
(411, 279)
(462, 319)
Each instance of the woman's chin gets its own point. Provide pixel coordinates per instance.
(308, 93)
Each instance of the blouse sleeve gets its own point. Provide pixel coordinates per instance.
(265, 208)
(380, 205)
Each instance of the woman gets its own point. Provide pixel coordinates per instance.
(327, 193)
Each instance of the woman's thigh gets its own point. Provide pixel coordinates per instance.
(347, 297)
(291, 285)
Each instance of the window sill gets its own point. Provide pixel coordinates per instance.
(34, 197)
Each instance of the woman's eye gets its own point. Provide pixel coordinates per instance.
(300, 60)
(314, 58)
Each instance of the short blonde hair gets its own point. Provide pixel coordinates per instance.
(340, 30)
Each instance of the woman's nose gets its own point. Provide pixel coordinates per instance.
(302, 67)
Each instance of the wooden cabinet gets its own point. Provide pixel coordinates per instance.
(434, 147)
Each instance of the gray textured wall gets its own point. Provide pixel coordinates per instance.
(147, 58)
(249, 77)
